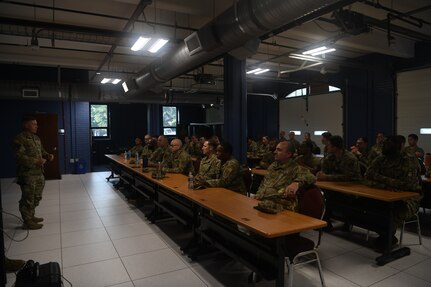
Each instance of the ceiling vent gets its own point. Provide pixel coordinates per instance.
(30, 93)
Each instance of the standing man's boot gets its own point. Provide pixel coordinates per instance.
(13, 265)
(31, 225)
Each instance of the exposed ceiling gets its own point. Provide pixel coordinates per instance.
(97, 35)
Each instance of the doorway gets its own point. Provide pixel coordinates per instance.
(48, 134)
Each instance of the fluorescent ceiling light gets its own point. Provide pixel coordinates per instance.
(105, 80)
(157, 45)
(304, 57)
(116, 81)
(254, 71)
(125, 88)
(140, 43)
(323, 52)
(297, 133)
(425, 131)
(312, 51)
(261, 71)
(319, 133)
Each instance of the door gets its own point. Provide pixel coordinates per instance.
(48, 134)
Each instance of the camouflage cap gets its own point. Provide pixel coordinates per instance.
(269, 206)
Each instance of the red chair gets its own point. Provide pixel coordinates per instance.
(302, 250)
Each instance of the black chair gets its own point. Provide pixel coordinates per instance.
(247, 176)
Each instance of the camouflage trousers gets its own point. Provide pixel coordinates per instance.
(31, 195)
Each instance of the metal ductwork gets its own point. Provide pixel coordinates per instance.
(246, 20)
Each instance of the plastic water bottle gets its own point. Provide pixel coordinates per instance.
(137, 159)
(190, 180)
(125, 155)
(159, 170)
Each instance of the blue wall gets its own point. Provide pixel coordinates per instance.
(75, 123)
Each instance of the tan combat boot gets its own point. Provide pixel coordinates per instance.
(31, 225)
(37, 219)
(13, 265)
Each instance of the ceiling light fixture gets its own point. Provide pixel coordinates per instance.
(315, 50)
(125, 88)
(323, 52)
(140, 44)
(157, 45)
(105, 80)
(319, 51)
(262, 71)
(116, 81)
(254, 71)
(304, 57)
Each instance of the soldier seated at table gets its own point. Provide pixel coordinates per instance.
(149, 146)
(210, 165)
(339, 164)
(306, 158)
(137, 148)
(395, 171)
(162, 153)
(180, 161)
(268, 158)
(262, 146)
(285, 177)
(230, 175)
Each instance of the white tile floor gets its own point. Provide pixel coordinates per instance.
(100, 240)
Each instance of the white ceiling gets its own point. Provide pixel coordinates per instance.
(79, 34)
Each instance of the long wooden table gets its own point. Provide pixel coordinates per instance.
(367, 207)
(217, 212)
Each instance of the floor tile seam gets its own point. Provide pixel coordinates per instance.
(144, 252)
(390, 277)
(37, 251)
(405, 269)
(95, 261)
(103, 260)
(101, 228)
(330, 271)
(86, 244)
(129, 236)
(134, 236)
(89, 228)
(332, 257)
(198, 275)
(162, 273)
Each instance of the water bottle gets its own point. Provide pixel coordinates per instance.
(190, 180)
(159, 170)
(137, 159)
(125, 155)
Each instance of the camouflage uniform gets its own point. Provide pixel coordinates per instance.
(28, 148)
(146, 151)
(193, 149)
(136, 149)
(294, 142)
(180, 162)
(345, 168)
(311, 162)
(411, 150)
(209, 167)
(281, 175)
(230, 177)
(399, 173)
(267, 159)
(262, 149)
(252, 147)
(161, 155)
(375, 151)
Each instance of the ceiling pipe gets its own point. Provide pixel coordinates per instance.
(249, 19)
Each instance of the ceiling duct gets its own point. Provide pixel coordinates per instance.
(246, 20)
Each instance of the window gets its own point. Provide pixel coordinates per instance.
(303, 92)
(99, 120)
(170, 119)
